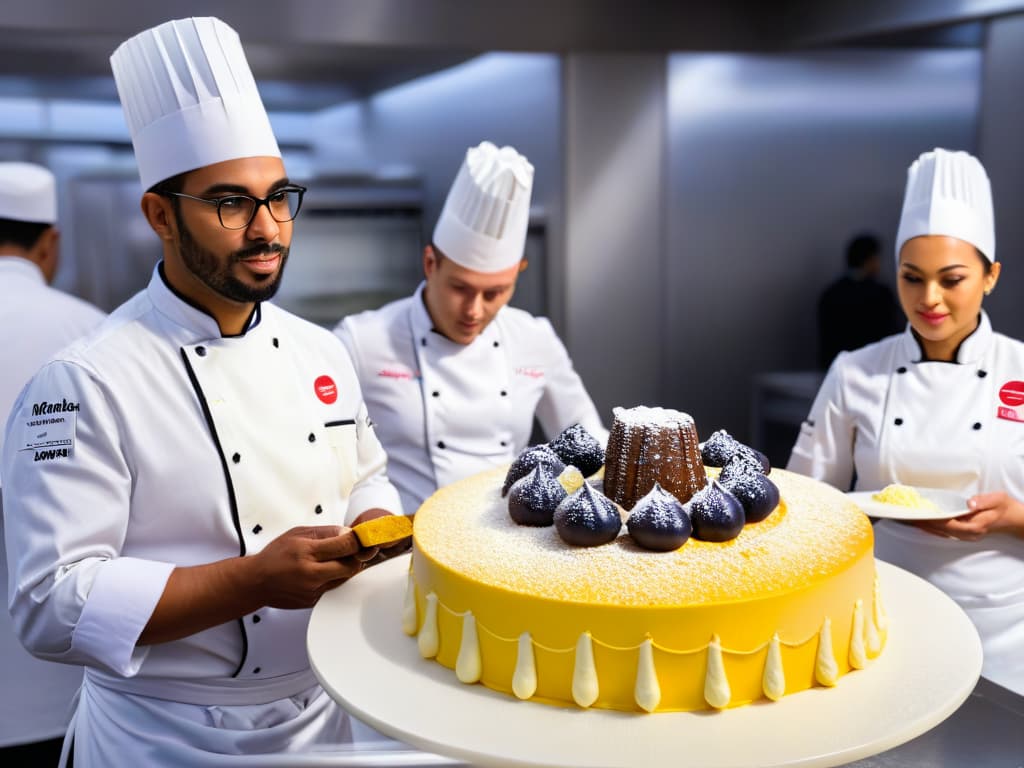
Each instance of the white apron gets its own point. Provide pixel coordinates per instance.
(301, 730)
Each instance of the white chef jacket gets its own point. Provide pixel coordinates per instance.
(155, 442)
(886, 416)
(35, 321)
(444, 410)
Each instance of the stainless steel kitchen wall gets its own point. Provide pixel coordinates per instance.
(774, 163)
(378, 169)
(422, 129)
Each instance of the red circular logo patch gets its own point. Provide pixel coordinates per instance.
(1012, 393)
(327, 390)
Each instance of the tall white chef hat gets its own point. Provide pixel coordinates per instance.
(28, 192)
(948, 193)
(189, 98)
(483, 224)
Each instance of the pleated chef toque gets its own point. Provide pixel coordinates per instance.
(28, 192)
(483, 224)
(189, 98)
(948, 193)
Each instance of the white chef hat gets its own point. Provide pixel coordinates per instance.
(483, 224)
(948, 193)
(28, 192)
(189, 98)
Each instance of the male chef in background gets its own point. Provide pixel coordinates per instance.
(452, 376)
(35, 322)
(177, 484)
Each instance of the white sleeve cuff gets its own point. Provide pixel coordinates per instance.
(373, 494)
(120, 604)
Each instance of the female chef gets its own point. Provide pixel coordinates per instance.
(941, 405)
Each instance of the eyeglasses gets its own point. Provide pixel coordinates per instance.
(238, 211)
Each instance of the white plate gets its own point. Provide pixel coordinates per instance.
(931, 663)
(949, 503)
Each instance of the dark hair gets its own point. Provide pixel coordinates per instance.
(985, 263)
(171, 184)
(438, 253)
(861, 249)
(23, 234)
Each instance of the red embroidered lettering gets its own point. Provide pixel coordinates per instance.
(1010, 414)
(533, 373)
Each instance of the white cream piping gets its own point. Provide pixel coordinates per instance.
(584, 673)
(647, 691)
(524, 679)
(428, 640)
(826, 671)
(467, 665)
(716, 684)
(773, 683)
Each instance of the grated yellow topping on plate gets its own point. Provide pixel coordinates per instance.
(903, 496)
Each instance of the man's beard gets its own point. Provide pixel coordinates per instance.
(204, 265)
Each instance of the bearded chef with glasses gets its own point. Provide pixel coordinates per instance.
(178, 485)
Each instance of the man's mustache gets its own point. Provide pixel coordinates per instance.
(263, 249)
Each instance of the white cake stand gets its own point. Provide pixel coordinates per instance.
(931, 663)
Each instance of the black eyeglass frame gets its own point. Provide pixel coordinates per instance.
(219, 201)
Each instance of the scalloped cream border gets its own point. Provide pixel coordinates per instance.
(866, 642)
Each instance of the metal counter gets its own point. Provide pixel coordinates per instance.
(986, 732)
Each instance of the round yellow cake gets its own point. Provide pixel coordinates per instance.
(790, 603)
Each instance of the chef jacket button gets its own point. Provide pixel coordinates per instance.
(504, 443)
(982, 374)
(319, 509)
(256, 670)
(257, 528)
(495, 343)
(236, 457)
(201, 351)
(435, 393)
(275, 342)
(312, 437)
(423, 341)
(977, 425)
(256, 619)
(504, 393)
(901, 369)
(898, 422)
(440, 444)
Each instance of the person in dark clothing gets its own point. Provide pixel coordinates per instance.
(856, 309)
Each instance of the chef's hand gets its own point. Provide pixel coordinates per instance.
(297, 567)
(990, 513)
(385, 553)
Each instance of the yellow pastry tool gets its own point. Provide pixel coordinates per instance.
(382, 531)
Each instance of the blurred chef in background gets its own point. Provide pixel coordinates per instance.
(35, 322)
(452, 376)
(857, 308)
(940, 405)
(177, 483)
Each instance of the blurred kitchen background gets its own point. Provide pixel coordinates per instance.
(699, 166)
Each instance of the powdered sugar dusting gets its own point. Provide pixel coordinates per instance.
(652, 415)
(648, 445)
(815, 531)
